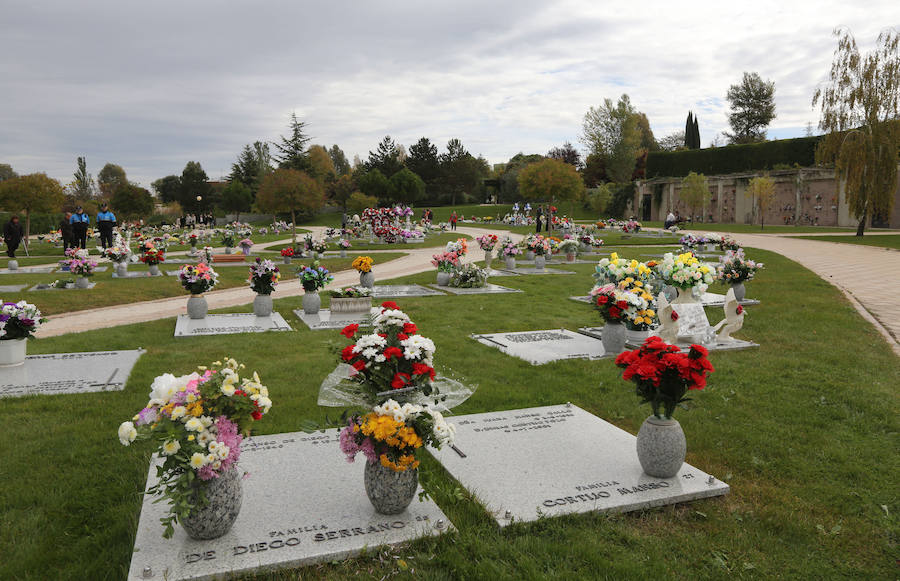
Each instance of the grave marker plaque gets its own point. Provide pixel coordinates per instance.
(325, 319)
(540, 347)
(385, 291)
(229, 323)
(560, 459)
(58, 373)
(487, 289)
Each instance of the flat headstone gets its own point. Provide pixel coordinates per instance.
(716, 345)
(69, 286)
(135, 274)
(403, 290)
(11, 288)
(717, 300)
(69, 373)
(229, 323)
(29, 270)
(692, 318)
(554, 460)
(540, 347)
(487, 289)
(494, 272)
(303, 503)
(325, 319)
(519, 270)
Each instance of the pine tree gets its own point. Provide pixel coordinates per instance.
(292, 150)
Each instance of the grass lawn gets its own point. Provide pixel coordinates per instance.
(804, 434)
(882, 240)
(113, 291)
(358, 246)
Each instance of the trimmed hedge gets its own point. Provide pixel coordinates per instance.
(733, 158)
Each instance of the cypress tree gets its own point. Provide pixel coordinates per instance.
(695, 134)
(688, 129)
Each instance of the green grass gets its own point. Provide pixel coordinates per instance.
(113, 291)
(805, 434)
(880, 240)
(358, 246)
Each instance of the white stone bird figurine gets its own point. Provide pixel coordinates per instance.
(668, 320)
(733, 321)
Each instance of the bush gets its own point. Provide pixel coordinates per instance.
(733, 158)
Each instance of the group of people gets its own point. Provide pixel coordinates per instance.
(672, 219)
(193, 220)
(73, 229)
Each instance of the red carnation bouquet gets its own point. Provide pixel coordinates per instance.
(609, 302)
(663, 374)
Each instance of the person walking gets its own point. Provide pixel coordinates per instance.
(453, 219)
(12, 236)
(65, 231)
(106, 221)
(80, 222)
(670, 220)
(539, 215)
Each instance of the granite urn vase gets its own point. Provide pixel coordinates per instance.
(228, 250)
(286, 259)
(122, 269)
(343, 253)
(739, 291)
(82, 282)
(510, 262)
(312, 302)
(529, 255)
(367, 279)
(635, 336)
(443, 278)
(224, 495)
(12, 265)
(153, 269)
(488, 259)
(262, 305)
(570, 257)
(197, 307)
(685, 296)
(540, 262)
(12, 352)
(390, 492)
(661, 447)
(613, 337)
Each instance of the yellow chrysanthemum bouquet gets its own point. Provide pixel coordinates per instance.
(363, 263)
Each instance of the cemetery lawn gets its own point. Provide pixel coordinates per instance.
(432, 241)
(882, 240)
(803, 429)
(112, 291)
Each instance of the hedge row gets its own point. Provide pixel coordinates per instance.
(733, 158)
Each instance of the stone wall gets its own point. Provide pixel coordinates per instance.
(804, 196)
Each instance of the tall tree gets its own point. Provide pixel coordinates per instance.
(386, 158)
(194, 184)
(861, 118)
(341, 189)
(762, 192)
(83, 186)
(752, 108)
(509, 178)
(406, 186)
(673, 141)
(236, 198)
(132, 202)
(253, 163)
(462, 173)
(695, 134)
(374, 183)
(423, 161)
(111, 176)
(168, 188)
(290, 190)
(7, 172)
(339, 160)
(292, 149)
(694, 192)
(611, 130)
(29, 194)
(689, 131)
(648, 141)
(551, 180)
(566, 154)
(321, 167)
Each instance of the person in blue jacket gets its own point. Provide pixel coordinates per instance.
(106, 221)
(80, 222)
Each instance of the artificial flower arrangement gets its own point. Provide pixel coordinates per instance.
(152, 255)
(197, 279)
(728, 243)
(363, 263)
(684, 271)
(568, 246)
(197, 422)
(319, 246)
(487, 242)
(615, 269)
(631, 226)
(78, 262)
(609, 300)
(228, 239)
(287, 252)
(508, 248)
(691, 241)
(117, 253)
(246, 243)
(735, 268)
(314, 277)
(445, 261)
(393, 367)
(468, 276)
(192, 239)
(538, 244)
(663, 374)
(19, 320)
(460, 247)
(263, 277)
(351, 292)
(207, 253)
(344, 244)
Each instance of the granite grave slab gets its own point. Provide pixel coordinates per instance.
(385, 291)
(136, 274)
(494, 272)
(540, 347)
(325, 319)
(29, 270)
(553, 460)
(11, 288)
(228, 324)
(69, 286)
(548, 270)
(714, 345)
(487, 289)
(69, 373)
(303, 503)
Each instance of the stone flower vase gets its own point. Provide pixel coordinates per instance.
(685, 296)
(286, 259)
(390, 492)
(488, 259)
(510, 262)
(82, 282)
(262, 305)
(367, 279)
(635, 336)
(197, 307)
(312, 302)
(343, 253)
(122, 269)
(540, 262)
(661, 447)
(12, 265)
(529, 255)
(613, 337)
(443, 278)
(670, 291)
(154, 270)
(225, 495)
(12, 352)
(228, 250)
(570, 257)
(739, 291)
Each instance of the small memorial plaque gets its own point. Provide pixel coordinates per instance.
(553, 460)
(487, 289)
(691, 319)
(134, 274)
(69, 373)
(385, 291)
(230, 323)
(69, 286)
(325, 319)
(303, 503)
(493, 272)
(518, 270)
(29, 270)
(540, 347)
(11, 288)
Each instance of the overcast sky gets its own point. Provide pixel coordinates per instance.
(152, 85)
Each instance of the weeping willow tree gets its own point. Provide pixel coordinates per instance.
(861, 119)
